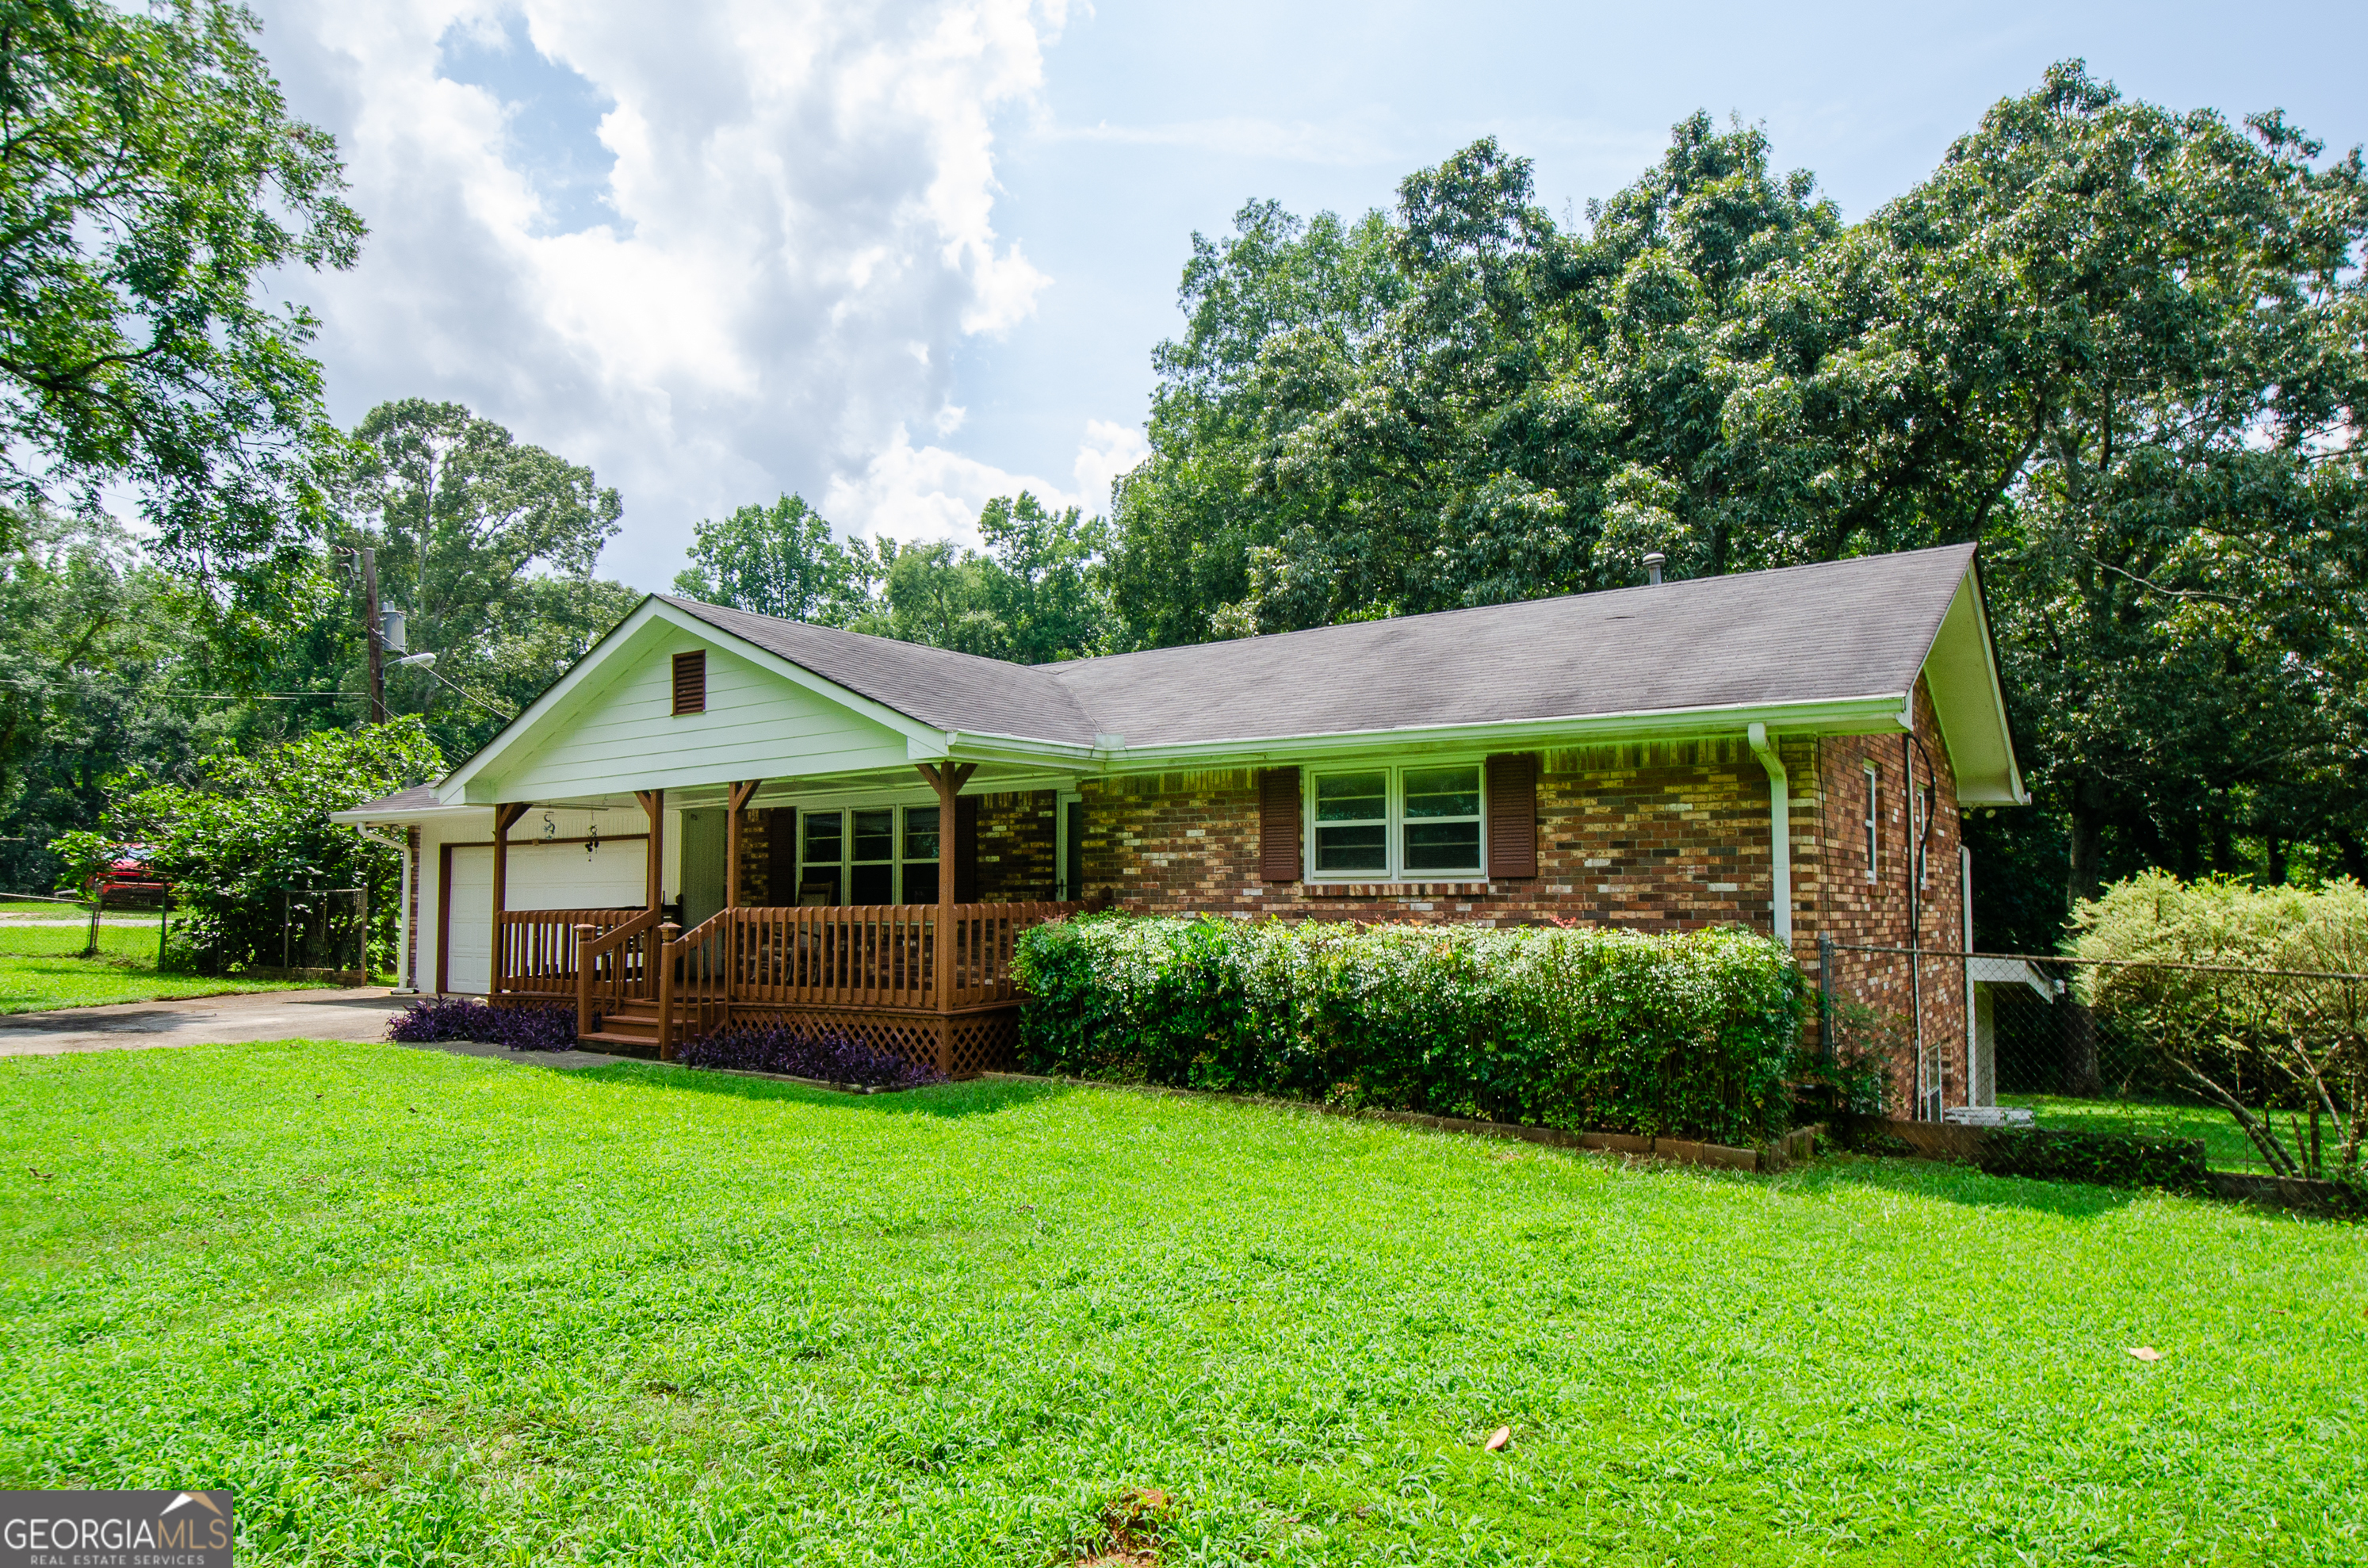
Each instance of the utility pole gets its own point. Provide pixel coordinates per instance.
(370, 632)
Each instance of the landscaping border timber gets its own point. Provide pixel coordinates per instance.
(2324, 1200)
(1798, 1144)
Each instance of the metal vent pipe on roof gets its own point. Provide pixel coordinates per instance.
(1653, 564)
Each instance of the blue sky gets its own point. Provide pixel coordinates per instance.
(901, 257)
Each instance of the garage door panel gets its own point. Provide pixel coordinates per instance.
(542, 876)
(563, 876)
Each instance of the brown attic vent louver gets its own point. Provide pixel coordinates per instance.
(690, 682)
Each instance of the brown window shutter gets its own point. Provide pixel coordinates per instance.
(1279, 825)
(1512, 815)
(966, 849)
(690, 682)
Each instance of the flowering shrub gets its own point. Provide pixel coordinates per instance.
(1575, 1029)
(831, 1056)
(528, 1027)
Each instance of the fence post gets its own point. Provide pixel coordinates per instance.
(164, 918)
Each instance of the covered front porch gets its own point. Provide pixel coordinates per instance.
(929, 982)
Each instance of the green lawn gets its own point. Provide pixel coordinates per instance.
(2225, 1147)
(415, 1307)
(41, 967)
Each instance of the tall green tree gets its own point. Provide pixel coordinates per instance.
(489, 544)
(780, 560)
(151, 183)
(2122, 348)
(93, 642)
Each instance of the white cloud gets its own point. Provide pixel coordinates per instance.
(715, 251)
(928, 493)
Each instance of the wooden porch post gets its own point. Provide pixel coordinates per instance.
(652, 802)
(497, 965)
(741, 792)
(947, 781)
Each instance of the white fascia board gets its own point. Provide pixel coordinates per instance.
(970, 745)
(2004, 785)
(454, 789)
(1877, 714)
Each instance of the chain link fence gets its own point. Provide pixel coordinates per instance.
(2268, 1069)
(40, 925)
(296, 930)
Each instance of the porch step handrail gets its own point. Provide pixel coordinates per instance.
(536, 950)
(612, 966)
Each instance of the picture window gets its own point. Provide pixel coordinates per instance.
(870, 855)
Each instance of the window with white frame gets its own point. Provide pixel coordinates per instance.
(1418, 823)
(1873, 821)
(868, 854)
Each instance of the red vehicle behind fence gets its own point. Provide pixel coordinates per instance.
(128, 880)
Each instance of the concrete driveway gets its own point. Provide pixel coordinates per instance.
(358, 1015)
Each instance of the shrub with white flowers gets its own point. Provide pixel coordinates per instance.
(1693, 1034)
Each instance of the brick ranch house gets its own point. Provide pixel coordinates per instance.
(718, 814)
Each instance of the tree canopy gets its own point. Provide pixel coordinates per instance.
(151, 181)
(2121, 347)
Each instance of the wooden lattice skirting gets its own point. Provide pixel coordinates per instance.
(961, 1045)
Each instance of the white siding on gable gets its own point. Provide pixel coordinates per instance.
(627, 736)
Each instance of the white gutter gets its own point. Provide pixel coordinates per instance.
(1780, 829)
(1875, 714)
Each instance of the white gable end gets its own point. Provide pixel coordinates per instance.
(615, 729)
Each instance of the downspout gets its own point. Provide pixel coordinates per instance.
(1780, 829)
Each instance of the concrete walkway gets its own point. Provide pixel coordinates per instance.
(358, 1015)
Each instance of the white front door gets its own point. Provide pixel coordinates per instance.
(542, 876)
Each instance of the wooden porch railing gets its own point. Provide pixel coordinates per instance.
(615, 966)
(881, 957)
(535, 949)
(877, 958)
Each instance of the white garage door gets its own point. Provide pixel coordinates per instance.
(542, 876)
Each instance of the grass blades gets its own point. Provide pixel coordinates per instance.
(418, 1307)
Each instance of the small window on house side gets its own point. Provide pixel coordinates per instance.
(690, 682)
(1873, 821)
(1923, 832)
(1353, 822)
(1442, 820)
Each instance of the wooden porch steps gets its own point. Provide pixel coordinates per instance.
(631, 1030)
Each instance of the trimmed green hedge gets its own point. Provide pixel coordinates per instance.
(2109, 1159)
(1581, 1030)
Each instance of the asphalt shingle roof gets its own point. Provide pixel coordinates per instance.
(1837, 630)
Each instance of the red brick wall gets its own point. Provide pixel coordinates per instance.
(1658, 838)
(1018, 846)
(1857, 912)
